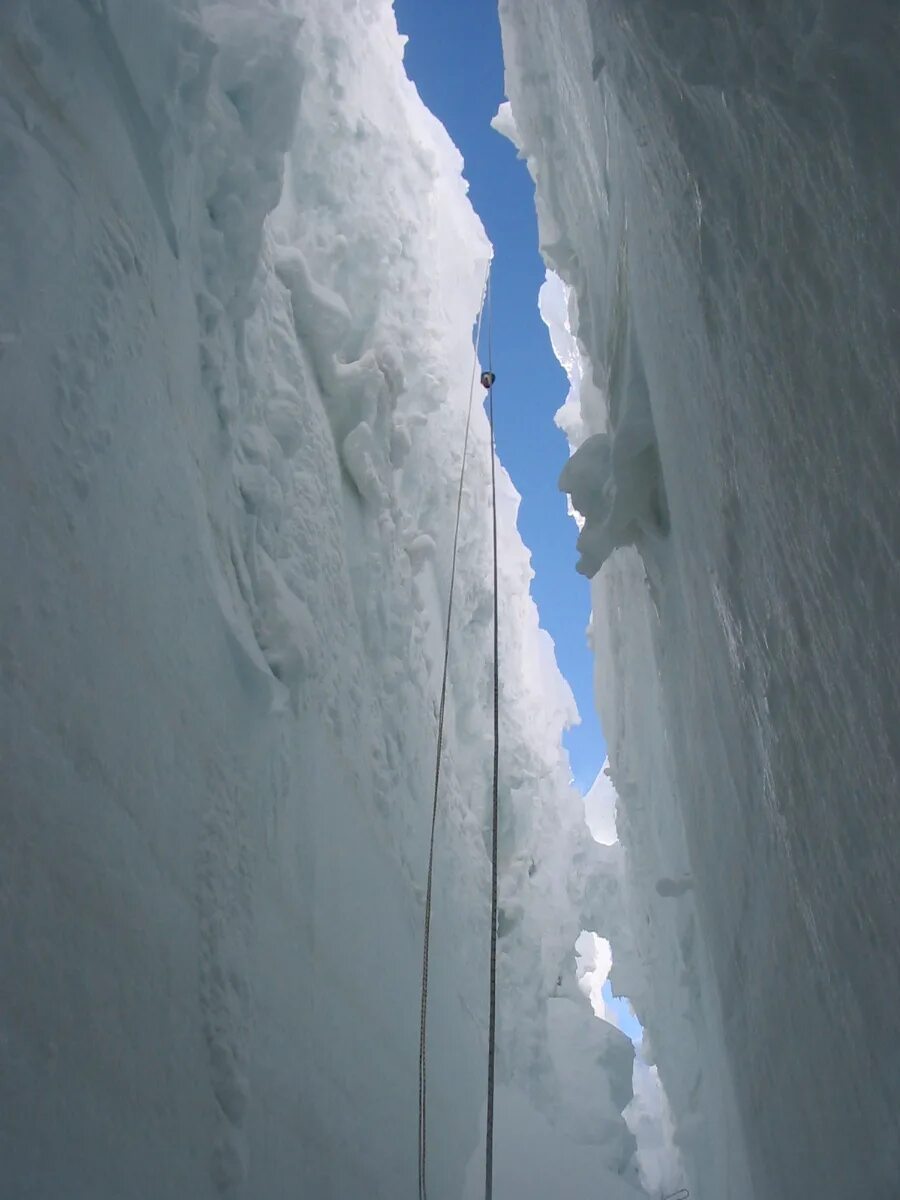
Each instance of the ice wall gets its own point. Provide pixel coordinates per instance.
(238, 275)
(717, 188)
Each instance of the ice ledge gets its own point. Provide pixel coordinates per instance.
(616, 484)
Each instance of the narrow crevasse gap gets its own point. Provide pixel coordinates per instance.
(239, 278)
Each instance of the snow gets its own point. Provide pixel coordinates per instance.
(239, 274)
(532, 1159)
(649, 1118)
(717, 192)
(615, 484)
(238, 278)
(600, 808)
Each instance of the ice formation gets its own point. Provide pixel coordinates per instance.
(717, 197)
(239, 277)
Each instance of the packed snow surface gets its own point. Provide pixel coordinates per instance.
(238, 278)
(718, 193)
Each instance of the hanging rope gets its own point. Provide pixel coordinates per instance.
(426, 947)
(495, 790)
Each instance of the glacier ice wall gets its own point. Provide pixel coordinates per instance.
(717, 187)
(239, 275)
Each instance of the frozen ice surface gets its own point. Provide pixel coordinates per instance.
(717, 188)
(600, 808)
(238, 278)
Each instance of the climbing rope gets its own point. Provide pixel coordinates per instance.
(426, 947)
(495, 787)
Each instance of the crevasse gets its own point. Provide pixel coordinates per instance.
(239, 276)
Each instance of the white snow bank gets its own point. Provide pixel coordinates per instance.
(534, 1159)
(718, 192)
(657, 961)
(650, 1120)
(505, 123)
(600, 808)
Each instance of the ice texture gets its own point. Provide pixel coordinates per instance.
(238, 278)
(717, 190)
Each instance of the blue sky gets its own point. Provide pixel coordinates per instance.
(455, 59)
(622, 1014)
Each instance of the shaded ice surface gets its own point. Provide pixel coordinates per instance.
(238, 278)
(717, 189)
